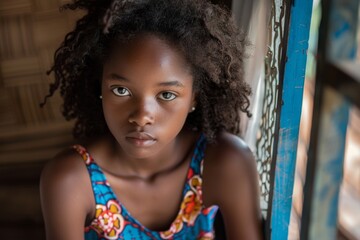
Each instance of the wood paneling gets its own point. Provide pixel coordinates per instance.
(30, 32)
(15, 7)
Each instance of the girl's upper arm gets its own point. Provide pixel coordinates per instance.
(64, 198)
(235, 189)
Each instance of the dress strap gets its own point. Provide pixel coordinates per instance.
(199, 153)
(84, 154)
(100, 185)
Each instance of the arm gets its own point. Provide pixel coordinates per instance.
(231, 182)
(65, 199)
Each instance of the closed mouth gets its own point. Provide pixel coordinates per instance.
(141, 136)
(140, 139)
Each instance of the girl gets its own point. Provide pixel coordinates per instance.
(156, 88)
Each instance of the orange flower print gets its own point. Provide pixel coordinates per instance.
(175, 227)
(195, 183)
(109, 220)
(190, 208)
(84, 154)
(192, 204)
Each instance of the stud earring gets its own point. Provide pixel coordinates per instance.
(193, 109)
(100, 97)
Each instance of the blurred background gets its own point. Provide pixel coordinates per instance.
(30, 32)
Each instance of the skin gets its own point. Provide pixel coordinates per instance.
(147, 94)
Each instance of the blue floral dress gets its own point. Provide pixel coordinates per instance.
(113, 221)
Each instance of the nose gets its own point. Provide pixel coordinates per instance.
(143, 113)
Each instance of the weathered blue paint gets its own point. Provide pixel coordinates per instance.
(330, 153)
(292, 92)
(342, 30)
(341, 45)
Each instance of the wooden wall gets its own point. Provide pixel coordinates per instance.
(30, 31)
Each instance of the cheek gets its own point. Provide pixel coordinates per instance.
(112, 113)
(177, 113)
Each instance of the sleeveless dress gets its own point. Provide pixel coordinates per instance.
(113, 221)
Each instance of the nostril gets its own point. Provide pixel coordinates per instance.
(141, 119)
(143, 112)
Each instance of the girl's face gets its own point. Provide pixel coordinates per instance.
(147, 93)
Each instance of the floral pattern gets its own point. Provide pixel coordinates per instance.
(108, 220)
(190, 209)
(205, 236)
(113, 221)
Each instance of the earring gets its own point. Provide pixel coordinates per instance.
(193, 109)
(100, 97)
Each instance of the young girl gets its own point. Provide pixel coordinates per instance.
(156, 88)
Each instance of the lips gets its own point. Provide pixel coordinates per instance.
(140, 139)
(140, 136)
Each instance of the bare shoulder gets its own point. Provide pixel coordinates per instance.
(231, 149)
(65, 170)
(230, 180)
(229, 159)
(65, 191)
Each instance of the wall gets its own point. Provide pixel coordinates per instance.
(30, 31)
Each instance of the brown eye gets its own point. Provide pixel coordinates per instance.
(121, 92)
(167, 96)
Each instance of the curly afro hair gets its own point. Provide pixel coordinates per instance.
(205, 33)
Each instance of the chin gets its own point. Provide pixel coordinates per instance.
(139, 154)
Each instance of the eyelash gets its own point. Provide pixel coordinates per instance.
(115, 90)
(173, 96)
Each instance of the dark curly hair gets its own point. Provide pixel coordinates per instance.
(205, 33)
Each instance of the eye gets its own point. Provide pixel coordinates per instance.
(121, 92)
(167, 96)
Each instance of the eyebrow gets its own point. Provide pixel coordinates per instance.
(174, 83)
(118, 77)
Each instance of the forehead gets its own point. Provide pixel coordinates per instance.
(148, 48)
